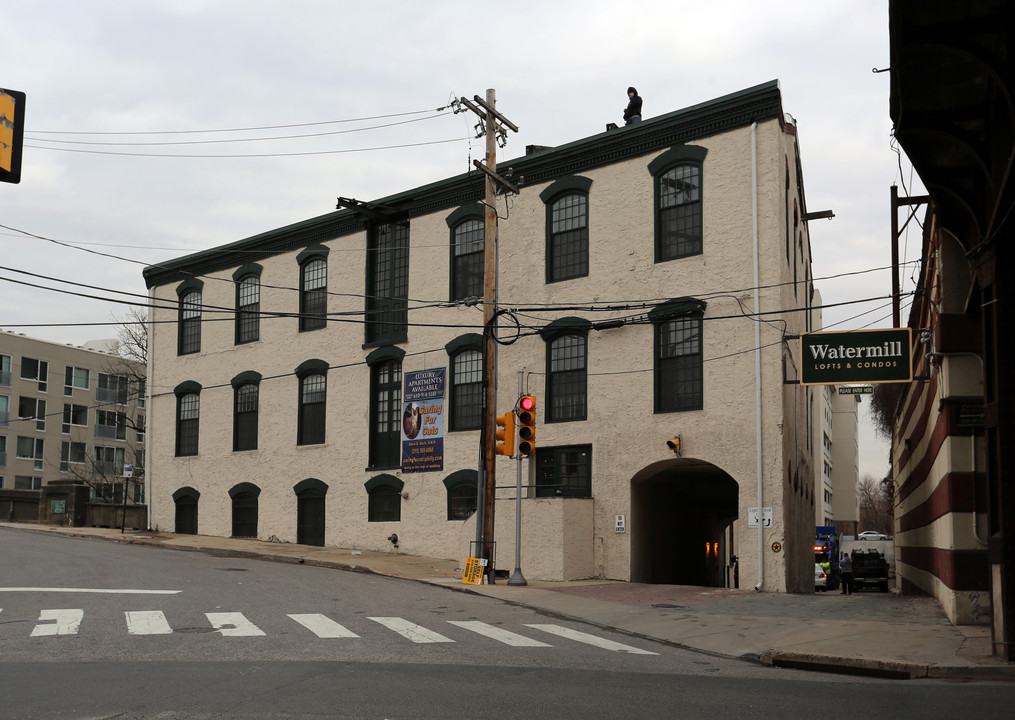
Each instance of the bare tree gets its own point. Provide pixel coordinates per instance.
(115, 472)
(133, 335)
(876, 504)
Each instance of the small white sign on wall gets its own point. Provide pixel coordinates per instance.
(753, 517)
(621, 525)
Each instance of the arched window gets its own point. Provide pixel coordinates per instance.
(310, 511)
(385, 407)
(462, 489)
(566, 369)
(246, 394)
(678, 175)
(678, 355)
(466, 390)
(384, 502)
(566, 386)
(244, 501)
(467, 256)
(567, 228)
(188, 416)
(248, 308)
(185, 500)
(312, 402)
(189, 325)
(313, 287)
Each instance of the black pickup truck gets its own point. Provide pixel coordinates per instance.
(870, 569)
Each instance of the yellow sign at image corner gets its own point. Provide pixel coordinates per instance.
(7, 108)
(474, 568)
(12, 134)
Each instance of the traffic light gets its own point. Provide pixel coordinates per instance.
(674, 445)
(527, 425)
(506, 434)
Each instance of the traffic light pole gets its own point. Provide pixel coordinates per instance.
(516, 577)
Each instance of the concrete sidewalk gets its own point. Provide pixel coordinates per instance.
(877, 634)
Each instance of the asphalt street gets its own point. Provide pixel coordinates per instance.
(97, 629)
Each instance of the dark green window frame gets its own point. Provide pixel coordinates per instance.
(564, 471)
(188, 418)
(678, 375)
(468, 243)
(678, 176)
(385, 408)
(189, 339)
(567, 228)
(566, 369)
(462, 493)
(248, 303)
(387, 300)
(384, 498)
(246, 401)
(313, 288)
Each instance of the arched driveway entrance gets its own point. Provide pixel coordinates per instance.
(682, 511)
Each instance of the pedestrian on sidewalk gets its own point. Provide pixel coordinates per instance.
(846, 573)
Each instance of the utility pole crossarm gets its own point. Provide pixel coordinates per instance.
(500, 179)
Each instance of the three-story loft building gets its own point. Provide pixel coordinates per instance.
(650, 277)
(71, 413)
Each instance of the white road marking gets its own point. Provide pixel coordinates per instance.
(147, 622)
(411, 631)
(64, 622)
(233, 624)
(323, 626)
(590, 639)
(498, 634)
(106, 591)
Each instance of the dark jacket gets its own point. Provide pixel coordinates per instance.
(634, 106)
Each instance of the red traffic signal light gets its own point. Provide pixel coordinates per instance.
(505, 434)
(527, 425)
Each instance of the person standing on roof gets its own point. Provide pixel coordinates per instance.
(632, 113)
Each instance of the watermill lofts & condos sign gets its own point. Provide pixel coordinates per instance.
(861, 356)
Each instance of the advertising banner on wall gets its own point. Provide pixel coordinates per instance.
(423, 421)
(860, 356)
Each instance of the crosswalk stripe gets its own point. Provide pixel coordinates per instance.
(323, 626)
(590, 639)
(65, 622)
(233, 624)
(411, 631)
(498, 634)
(147, 622)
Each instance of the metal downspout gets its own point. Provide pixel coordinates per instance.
(757, 353)
(150, 361)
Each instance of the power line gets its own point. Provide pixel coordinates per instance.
(240, 129)
(234, 140)
(249, 155)
(603, 306)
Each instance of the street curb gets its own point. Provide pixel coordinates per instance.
(868, 667)
(890, 669)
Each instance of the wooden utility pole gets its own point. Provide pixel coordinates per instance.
(487, 491)
(489, 433)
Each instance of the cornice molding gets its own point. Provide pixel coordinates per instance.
(739, 109)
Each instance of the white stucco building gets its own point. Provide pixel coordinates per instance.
(650, 277)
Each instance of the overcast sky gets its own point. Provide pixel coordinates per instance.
(560, 70)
